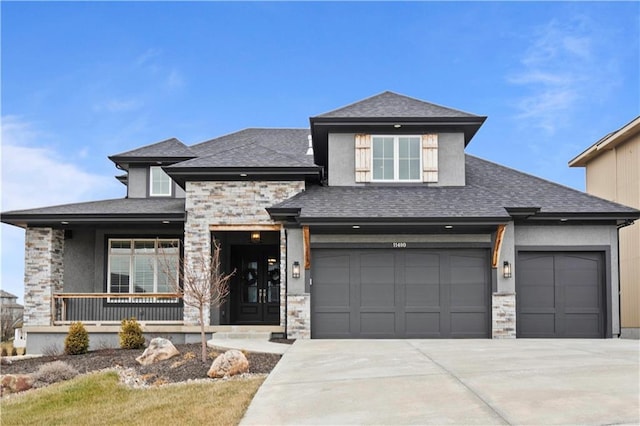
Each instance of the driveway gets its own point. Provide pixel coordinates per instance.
(452, 382)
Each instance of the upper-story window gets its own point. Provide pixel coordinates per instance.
(159, 183)
(396, 158)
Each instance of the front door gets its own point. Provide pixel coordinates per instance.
(255, 287)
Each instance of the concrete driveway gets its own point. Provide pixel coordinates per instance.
(452, 382)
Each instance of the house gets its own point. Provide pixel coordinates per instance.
(10, 314)
(612, 169)
(372, 223)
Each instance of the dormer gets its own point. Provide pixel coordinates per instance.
(146, 177)
(392, 139)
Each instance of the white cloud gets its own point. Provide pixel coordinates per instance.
(560, 70)
(119, 105)
(35, 176)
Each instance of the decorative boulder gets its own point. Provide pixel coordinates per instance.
(228, 364)
(159, 349)
(12, 383)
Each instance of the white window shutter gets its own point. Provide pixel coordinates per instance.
(363, 158)
(430, 158)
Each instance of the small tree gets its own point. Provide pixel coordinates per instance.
(77, 341)
(201, 282)
(131, 336)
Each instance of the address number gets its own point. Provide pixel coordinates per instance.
(399, 245)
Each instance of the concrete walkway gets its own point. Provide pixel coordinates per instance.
(485, 382)
(248, 344)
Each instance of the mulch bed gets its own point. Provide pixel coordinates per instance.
(181, 368)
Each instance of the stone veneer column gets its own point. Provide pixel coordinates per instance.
(503, 316)
(299, 316)
(232, 203)
(43, 273)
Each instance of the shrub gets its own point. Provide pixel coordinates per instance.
(77, 341)
(53, 372)
(131, 334)
(51, 349)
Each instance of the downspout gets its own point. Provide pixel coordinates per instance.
(626, 223)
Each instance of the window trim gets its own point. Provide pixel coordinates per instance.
(131, 254)
(151, 174)
(396, 159)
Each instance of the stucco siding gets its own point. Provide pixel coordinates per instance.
(79, 261)
(137, 182)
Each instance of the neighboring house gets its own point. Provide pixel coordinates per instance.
(10, 314)
(613, 173)
(372, 223)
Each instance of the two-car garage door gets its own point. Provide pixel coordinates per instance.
(405, 293)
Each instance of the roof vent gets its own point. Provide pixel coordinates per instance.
(310, 149)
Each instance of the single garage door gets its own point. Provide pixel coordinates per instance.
(560, 294)
(404, 293)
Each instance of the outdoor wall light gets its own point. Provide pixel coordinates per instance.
(255, 237)
(295, 269)
(506, 269)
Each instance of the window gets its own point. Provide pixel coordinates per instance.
(143, 266)
(159, 183)
(396, 158)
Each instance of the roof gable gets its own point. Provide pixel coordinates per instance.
(392, 105)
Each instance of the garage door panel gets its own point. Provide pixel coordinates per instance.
(422, 324)
(584, 325)
(472, 294)
(582, 297)
(536, 324)
(332, 324)
(468, 324)
(422, 295)
(377, 295)
(333, 295)
(541, 296)
(377, 323)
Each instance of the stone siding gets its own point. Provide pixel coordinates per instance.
(298, 316)
(231, 203)
(503, 317)
(43, 273)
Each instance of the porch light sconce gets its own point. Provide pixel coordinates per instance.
(506, 269)
(255, 237)
(295, 269)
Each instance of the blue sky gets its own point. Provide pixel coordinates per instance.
(81, 81)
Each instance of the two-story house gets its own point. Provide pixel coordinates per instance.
(372, 223)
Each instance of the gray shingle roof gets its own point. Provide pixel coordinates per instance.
(170, 148)
(392, 105)
(490, 189)
(279, 148)
(120, 207)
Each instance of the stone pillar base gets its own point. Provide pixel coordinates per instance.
(299, 316)
(503, 316)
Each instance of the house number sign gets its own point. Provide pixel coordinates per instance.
(399, 245)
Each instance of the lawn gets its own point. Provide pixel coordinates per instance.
(99, 399)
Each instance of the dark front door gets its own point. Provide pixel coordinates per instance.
(255, 287)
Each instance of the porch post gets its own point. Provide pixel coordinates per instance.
(43, 274)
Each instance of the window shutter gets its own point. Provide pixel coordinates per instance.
(430, 158)
(363, 158)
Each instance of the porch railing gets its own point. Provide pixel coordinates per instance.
(106, 308)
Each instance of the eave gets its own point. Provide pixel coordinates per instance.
(608, 142)
(123, 163)
(182, 175)
(65, 220)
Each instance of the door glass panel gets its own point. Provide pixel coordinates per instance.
(250, 283)
(273, 279)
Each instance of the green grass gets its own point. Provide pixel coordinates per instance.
(99, 399)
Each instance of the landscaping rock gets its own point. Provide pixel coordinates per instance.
(12, 383)
(5, 361)
(159, 349)
(228, 364)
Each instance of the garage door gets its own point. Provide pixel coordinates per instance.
(406, 293)
(560, 294)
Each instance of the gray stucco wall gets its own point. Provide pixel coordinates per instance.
(451, 169)
(138, 183)
(79, 258)
(295, 252)
(567, 237)
(451, 166)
